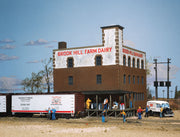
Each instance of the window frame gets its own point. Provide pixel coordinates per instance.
(124, 78)
(70, 80)
(124, 60)
(68, 62)
(134, 79)
(97, 61)
(129, 79)
(142, 64)
(98, 79)
(129, 61)
(138, 79)
(134, 63)
(137, 63)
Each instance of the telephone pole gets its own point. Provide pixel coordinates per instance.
(168, 61)
(156, 84)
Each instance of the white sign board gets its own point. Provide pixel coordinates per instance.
(2, 104)
(41, 103)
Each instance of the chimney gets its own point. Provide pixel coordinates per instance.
(62, 45)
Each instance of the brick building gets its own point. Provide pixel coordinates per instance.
(111, 70)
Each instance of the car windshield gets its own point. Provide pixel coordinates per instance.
(165, 105)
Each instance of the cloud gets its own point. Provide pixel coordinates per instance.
(38, 42)
(9, 84)
(128, 43)
(34, 61)
(50, 46)
(7, 46)
(4, 57)
(6, 41)
(161, 72)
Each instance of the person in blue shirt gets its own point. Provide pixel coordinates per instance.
(146, 114)
(53, 113)
(105, 105)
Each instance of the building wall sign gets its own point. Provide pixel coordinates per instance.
(133, 53)
(85, 51)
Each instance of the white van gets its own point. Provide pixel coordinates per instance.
(155, 107)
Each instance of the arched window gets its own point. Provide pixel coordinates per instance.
(129, 79)
(98, 60)
(138, 79)
(124, 60)
(133, 79)
(142, 80)
(133, 62)
(70, 62)
(142, 64)
(129, 61)
(137, 63)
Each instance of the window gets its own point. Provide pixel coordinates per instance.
(158, 105)
(133, 79)
(142, 64)
(137, 63)
(98, 79)
(124, 60)
(138, 79)
(124, 79)
(142, 79)
(129, 79)
(98, 60)
(133, 62)
(70, 62)
(70, 80)
(129, 62)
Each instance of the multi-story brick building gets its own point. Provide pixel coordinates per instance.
(110, 70)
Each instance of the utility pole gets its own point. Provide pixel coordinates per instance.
(156, 84)
(168, 61)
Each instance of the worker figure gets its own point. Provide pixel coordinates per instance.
(49, 114)
(124, 116)
(139, 111)
(146, 114)
(88, 102)
(53, 113)
(105, 105)
(161, 111)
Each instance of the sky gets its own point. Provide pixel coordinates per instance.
(30, 30)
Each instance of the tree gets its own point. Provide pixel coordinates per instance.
(148, 72)
(149, 96)
(177, 93)
(33, 84)
(47, 73)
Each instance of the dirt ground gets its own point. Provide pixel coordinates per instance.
(90, 127)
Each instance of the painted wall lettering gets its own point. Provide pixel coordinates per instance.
(126, 51)
(85, 51)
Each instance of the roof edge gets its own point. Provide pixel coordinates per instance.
(113, 26)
